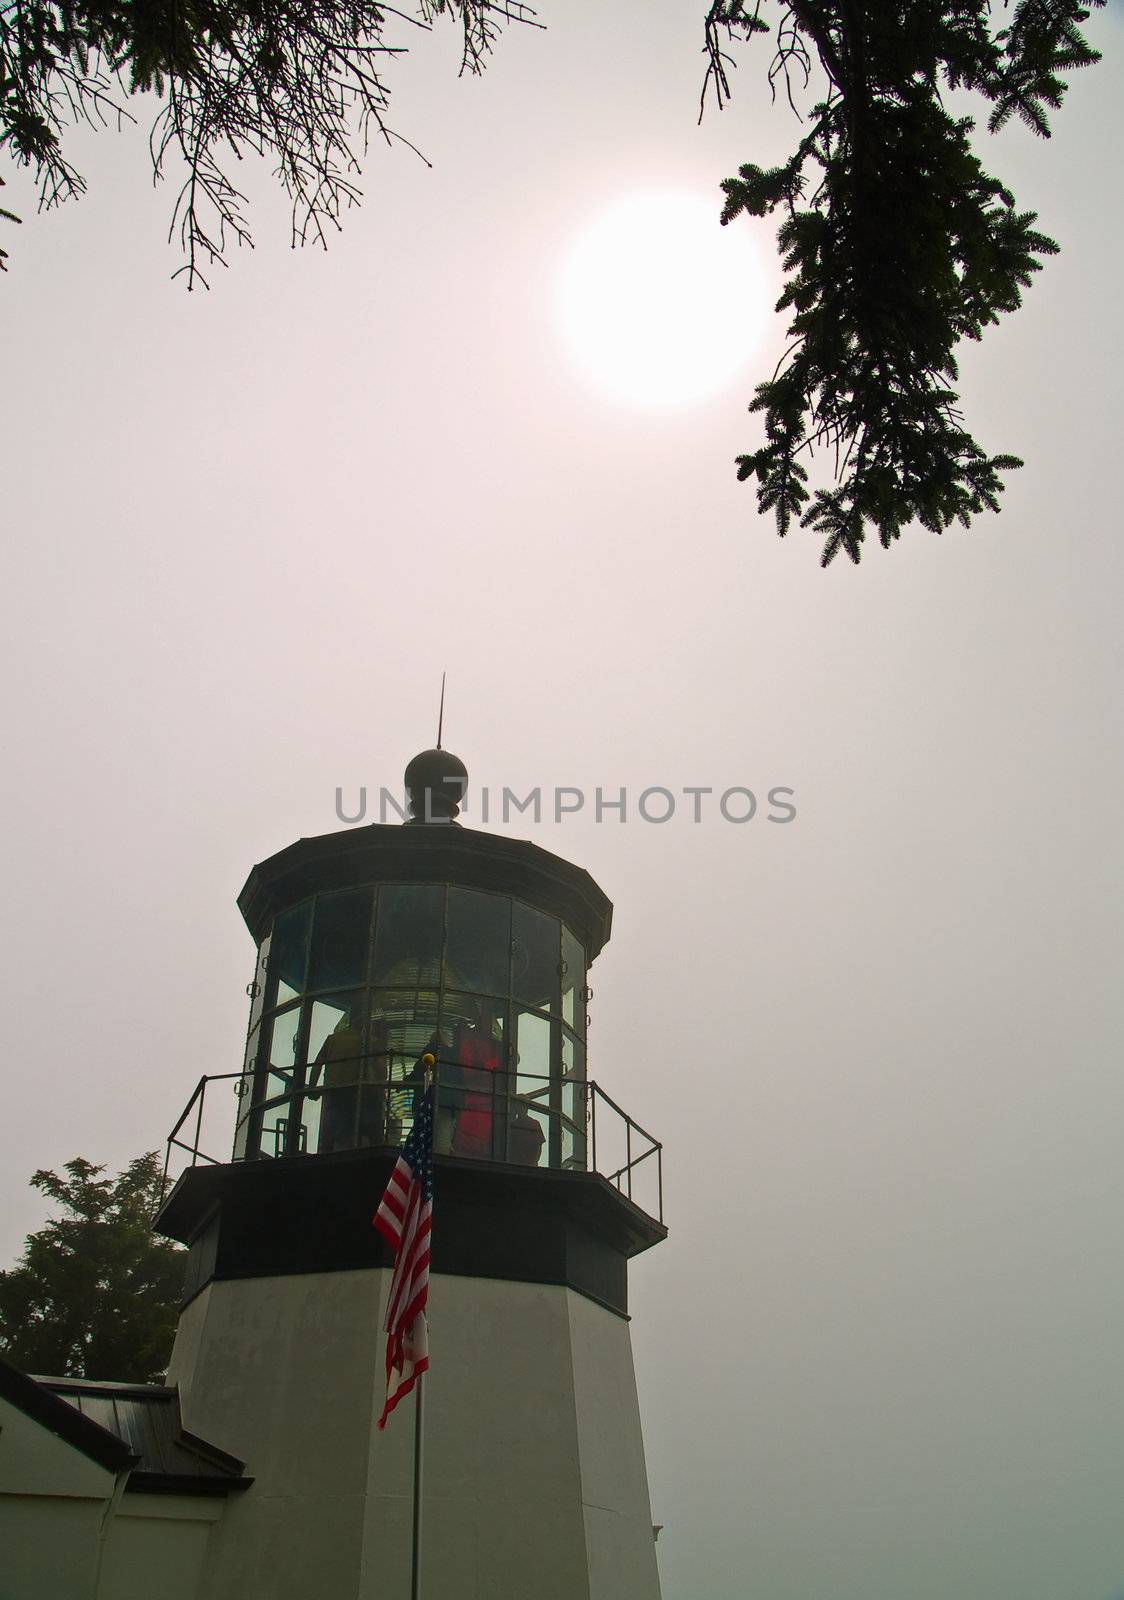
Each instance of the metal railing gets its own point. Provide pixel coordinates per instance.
(505, 1115)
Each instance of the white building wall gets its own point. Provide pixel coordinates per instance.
(620, 1545)
(48, 1547)
(156, 1547)
(281, 1373)
(534, 1466)
(53, 1501)
(35, 1461)
(65, 1534)
(502, 1509)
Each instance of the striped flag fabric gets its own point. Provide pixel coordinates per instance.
(404, 1218)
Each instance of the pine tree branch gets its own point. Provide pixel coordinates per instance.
(299, 81)
(896, 245)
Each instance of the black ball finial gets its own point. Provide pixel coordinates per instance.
(435, 783)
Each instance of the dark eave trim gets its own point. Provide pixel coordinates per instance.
(107, 1389)
(185, 1483)
(380, 853)
(312, 1214)
(200, 1192)
(211, 1453)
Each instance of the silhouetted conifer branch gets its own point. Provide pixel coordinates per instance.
(298, 81)
(896, 245)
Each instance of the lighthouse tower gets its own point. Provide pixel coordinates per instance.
(376, 945)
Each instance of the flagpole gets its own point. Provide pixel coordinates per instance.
(429, 1063)
(405, 1218)
(419, 1456)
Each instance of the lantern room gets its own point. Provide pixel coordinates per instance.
(382, 943)
(354, 985)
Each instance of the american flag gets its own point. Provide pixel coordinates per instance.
(404, 1218)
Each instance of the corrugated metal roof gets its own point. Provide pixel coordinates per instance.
(147, 1419)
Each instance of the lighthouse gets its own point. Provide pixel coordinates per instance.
(377, 946)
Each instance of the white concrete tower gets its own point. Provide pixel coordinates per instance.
(376, 944)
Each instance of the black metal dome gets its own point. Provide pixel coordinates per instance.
(435, 782)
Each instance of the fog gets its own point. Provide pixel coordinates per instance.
(246, 531)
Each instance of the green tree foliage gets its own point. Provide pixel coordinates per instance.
(299, 81)
(95, 1293)
(896, 243)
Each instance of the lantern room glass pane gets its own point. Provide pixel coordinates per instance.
(283, 1036)
(288, 953)
(528, 1133)
(339, 1017)
(529, 1090)
(402, 1025)
(277, 1073)
(241, 1135)
(573, 982)
(471, 1016)
(535, 958)
(258, 983)
(471, 1077)
(474, 1081)
(307, 1109)
(573, 1056)
(272, 1117)
(408, 936)
(531, 1058)
(335, 1050)
(338, 953)
(478, 941)
(243, 1090)
(354, 1061)
(575, 1102)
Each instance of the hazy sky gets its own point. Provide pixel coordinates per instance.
(880, 1356)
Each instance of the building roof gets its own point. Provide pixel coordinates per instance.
(384, 853)
(126, 1427)
(35, 1400)
(146, 1417)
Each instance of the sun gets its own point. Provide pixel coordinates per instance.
(659, 303)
